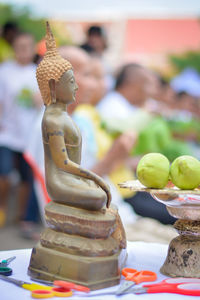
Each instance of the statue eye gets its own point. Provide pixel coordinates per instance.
(72, 80)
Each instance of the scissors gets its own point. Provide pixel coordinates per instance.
(134, 277)
(61, 288)
(4, 270)
(183, 286)
(26, 285)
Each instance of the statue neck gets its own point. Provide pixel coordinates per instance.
(59, 105)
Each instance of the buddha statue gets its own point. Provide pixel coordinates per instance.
(85, 235)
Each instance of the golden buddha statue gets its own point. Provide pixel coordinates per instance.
(84, 236)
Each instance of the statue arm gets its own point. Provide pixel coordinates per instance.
(60, 157)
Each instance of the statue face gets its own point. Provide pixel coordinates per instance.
(66, 88)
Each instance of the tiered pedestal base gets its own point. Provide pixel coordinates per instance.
(68, 250)
(93, 272)
(183, 258)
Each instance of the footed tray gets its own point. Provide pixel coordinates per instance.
(170, 196)
(183, 258)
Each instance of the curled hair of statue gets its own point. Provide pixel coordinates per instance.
(52, 67)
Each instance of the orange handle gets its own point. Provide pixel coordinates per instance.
(61, 292)
(144, 276)
(42, 294)
(129, 273)
(138, 276)
(70, 285)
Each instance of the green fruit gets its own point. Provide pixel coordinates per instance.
(185, 172)
(153, 170)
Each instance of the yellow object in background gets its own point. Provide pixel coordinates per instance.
(121, 174)
(2, 218)
(6, 51)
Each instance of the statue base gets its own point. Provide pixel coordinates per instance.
(81, 246)
(93, 272)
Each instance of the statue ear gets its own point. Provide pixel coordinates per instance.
(52, 86)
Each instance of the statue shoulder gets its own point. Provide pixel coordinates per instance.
(51, 122)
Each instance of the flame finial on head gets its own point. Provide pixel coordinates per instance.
(53, 66)
(49, 39)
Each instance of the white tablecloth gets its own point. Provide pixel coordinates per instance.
(141, 256)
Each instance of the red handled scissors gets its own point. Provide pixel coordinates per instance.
(63, 289)
(60, 288)
(183, 286)
(134, 277)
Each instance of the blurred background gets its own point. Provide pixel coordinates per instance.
(142, 95)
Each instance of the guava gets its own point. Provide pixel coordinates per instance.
(185, 172)
(153, 170)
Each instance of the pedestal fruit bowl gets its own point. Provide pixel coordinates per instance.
(183, 258)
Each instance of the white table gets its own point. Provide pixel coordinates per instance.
(141, 256)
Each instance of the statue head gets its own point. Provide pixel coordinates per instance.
(51, 69)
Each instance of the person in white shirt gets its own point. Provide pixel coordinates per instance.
(19, 100)
(134, 85)
(120, 108)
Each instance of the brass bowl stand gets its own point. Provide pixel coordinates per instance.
(183, 258)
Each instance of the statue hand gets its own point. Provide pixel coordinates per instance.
(106, 189)
(109, 198)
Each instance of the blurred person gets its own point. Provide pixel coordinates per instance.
(19, 103)
(164, 100)
(187, 86)
(197, 106)
(175, 108)
(166, 93)
(9, 32)
(184, 120)
(122, 109)
(99, 75)
(96, 46)
(185, 103)
(187, 81)
(134, 85)
(125, 105)
(96, 42)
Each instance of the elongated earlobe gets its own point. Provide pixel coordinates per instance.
(52, 86)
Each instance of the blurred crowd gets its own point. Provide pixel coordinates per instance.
(122, 114)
